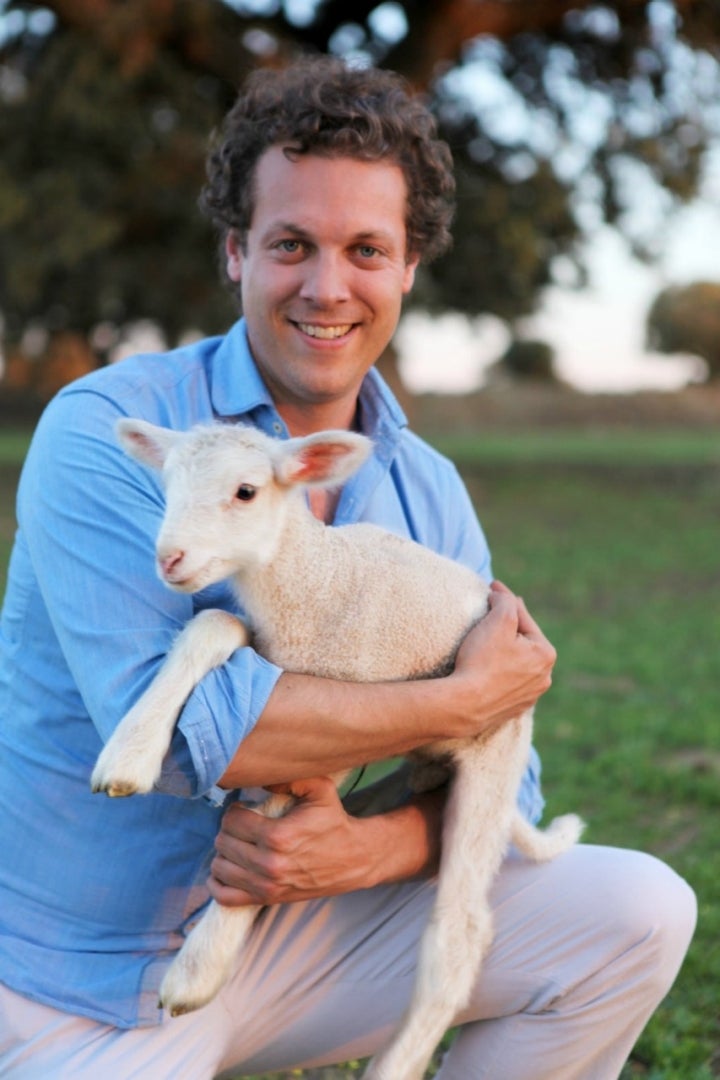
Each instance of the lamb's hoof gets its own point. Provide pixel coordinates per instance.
(181, 1008)
(181, 993)
(117, 783)
(115, 789)
(119, 775)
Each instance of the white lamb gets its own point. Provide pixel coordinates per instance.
(353, 602)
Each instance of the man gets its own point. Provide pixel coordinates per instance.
(328, 187)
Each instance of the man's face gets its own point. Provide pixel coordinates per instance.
(322, 275)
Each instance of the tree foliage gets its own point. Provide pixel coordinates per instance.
(99, 175)
(528, 358)
(686, 319)
(554, 111)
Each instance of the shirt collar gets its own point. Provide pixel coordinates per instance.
(237, 386)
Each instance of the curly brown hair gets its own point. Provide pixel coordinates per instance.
(322, 106)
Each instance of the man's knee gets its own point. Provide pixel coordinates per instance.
(657, 913)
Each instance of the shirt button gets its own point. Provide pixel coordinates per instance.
(277, 426)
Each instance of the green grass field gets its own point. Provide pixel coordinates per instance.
(613, 542)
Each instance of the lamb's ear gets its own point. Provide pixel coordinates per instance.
(326, 459)
(146, 442)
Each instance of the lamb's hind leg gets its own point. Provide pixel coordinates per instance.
(460, 928)
(452, 947)
(132, 758)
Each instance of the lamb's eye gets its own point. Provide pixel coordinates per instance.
(245, 492)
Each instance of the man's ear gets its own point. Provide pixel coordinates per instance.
(233, 256)
(409, 274)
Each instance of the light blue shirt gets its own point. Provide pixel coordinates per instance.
(96, 893)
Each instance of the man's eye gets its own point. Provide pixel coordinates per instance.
(290, 247)
(245, 492)
(367, 251)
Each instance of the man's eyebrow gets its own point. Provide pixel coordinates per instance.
(373, 236)
(285, 227)
(364, 237)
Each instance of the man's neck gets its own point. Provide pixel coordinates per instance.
(323, 503)
(306, 420)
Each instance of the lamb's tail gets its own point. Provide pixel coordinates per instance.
(543, 844)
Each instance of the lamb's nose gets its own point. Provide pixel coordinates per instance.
(169, 563)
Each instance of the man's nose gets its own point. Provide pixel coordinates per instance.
(326, 280)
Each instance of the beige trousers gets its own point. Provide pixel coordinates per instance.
(585, 949)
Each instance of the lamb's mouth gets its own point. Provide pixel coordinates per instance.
(186, 583)
(181, 584)
(325, 333)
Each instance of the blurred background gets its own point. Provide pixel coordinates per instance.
(566, 352)
(586, 137)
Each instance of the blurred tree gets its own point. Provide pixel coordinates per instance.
(687, 319)
(100, 170)
(559, 114)
(528, 358)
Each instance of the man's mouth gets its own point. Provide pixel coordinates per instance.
(325, 332)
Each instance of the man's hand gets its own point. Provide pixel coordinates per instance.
(506, 661)
(317, 849)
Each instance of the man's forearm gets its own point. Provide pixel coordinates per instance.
(405, 842)
(315, 727)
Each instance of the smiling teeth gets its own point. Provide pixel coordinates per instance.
(325, 331)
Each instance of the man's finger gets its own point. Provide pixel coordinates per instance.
(526, 623)
(243, 823)
(319, 789)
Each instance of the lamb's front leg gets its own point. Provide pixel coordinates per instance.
(131, 760)
(205, 962)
